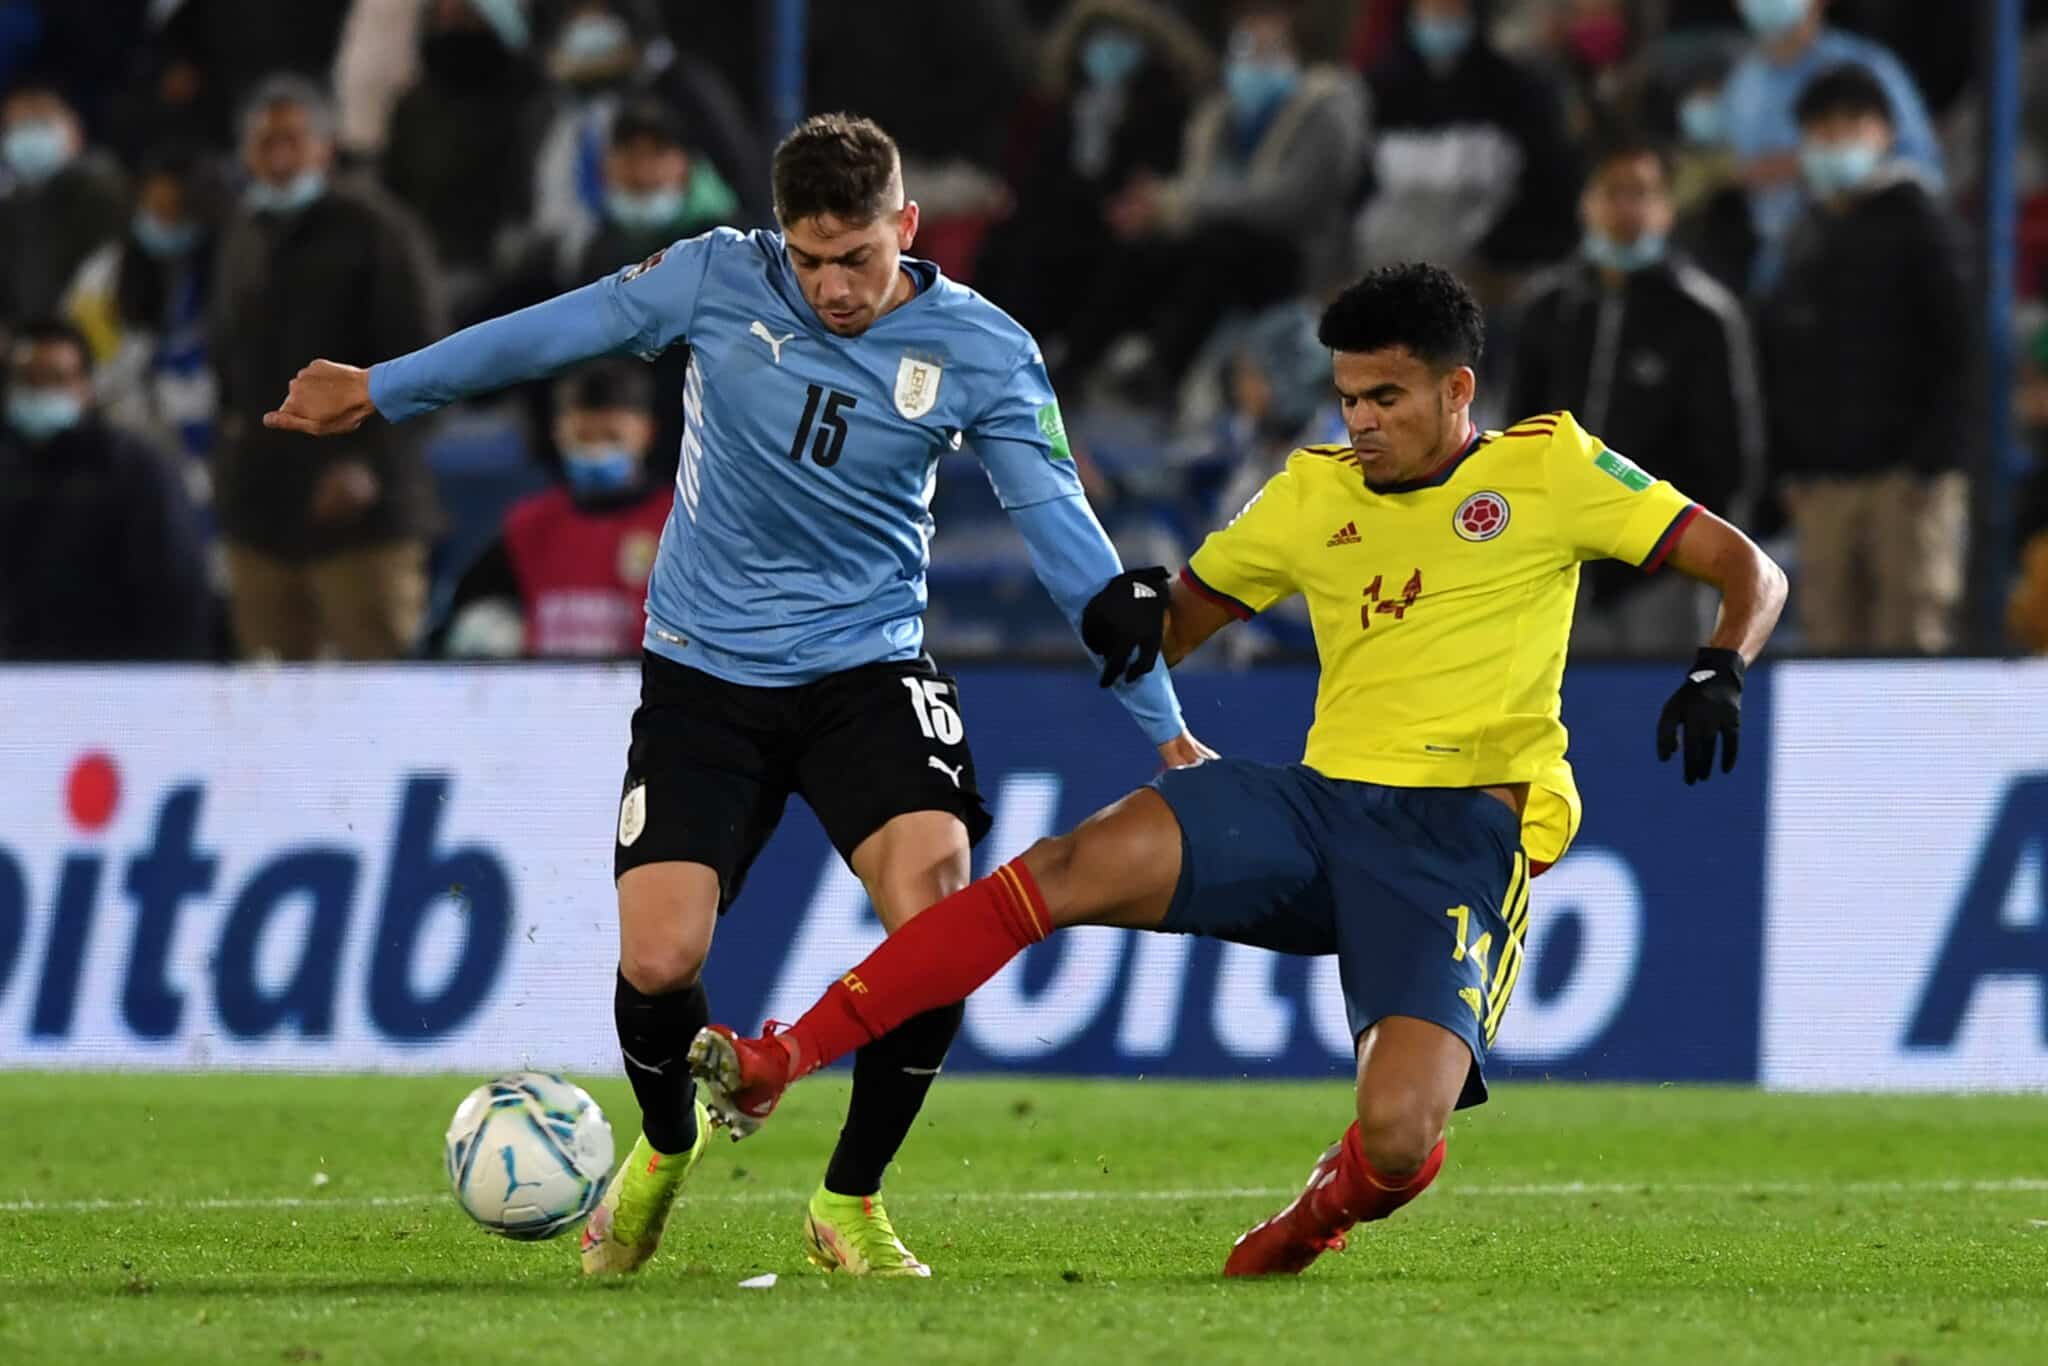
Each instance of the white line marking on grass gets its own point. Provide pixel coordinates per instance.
(1563, 1190)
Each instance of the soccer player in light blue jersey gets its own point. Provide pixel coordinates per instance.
(784, 651)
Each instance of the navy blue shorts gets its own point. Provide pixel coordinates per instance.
(1421, 892)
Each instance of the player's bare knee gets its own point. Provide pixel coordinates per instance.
(1398, 1132)
(656, 969)
(1051, 862)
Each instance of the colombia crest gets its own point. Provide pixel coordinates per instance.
(1481, 517)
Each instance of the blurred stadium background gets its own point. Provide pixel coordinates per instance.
(395, 858)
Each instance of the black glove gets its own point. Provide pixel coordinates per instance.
(1709, 704)
(1124, 622)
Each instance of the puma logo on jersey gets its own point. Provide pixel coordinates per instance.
(1346, 535)
(952, 771)
(760, 329)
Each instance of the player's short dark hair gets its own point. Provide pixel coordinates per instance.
(837, 164)
(50, 328)
(646, 117)
(1415, 304)
(1626, 142)
(606, 384)
(1846, 89)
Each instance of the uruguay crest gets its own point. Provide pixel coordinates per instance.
(917, 386)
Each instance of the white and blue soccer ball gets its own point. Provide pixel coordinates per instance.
(528, 1155)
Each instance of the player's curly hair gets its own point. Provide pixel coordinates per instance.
(837, 164)
(1417, 305)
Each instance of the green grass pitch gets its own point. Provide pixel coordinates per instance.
(177, 1219)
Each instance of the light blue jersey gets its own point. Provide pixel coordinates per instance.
(802, 524)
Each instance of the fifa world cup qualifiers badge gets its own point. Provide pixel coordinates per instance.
(1054, 429)
(1623, 470)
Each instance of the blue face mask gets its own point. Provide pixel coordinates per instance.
(1256, 86)
(37, 149)
(1440, 41)
(1704, 120)
(40, 414)
(1774, 18)
(1110, 57)
(648, 209)
(290, 197)
(1834, 168)
(599, 469)
(164, 240)
(593, 38)
(1608, 254)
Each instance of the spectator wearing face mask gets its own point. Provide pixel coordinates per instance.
(62, 202)
(99, 557)
(1470, 165)
(567, 577)
(1120, 78)
(1647, 350)
(1794, 45)
(656, 193)
(1256, 212)
(142, 301)
(1714, 226)
(326, 545)
(1869, 344)
(459, 151)
(603, 54)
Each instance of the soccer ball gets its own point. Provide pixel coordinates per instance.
(528, 1155)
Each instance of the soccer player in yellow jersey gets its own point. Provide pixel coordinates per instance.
(1440, 564)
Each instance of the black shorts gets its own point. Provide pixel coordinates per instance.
(712, 763)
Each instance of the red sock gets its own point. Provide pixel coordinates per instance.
(1360, 1194)
(940, 957)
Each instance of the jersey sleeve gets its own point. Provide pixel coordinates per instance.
(1607, 506)
(640, 310)
(1022, 441)
(1248, 565)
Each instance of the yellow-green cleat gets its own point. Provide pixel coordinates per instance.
(625, 1229)
(852, 1233)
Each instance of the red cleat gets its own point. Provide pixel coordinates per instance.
(742, 1078)
(1313, 1224)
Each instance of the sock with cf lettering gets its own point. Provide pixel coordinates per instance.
(938, 959)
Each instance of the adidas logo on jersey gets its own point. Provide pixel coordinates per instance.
(1142, 590)
(1346, 535)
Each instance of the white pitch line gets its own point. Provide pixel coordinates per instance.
(1564, 1190)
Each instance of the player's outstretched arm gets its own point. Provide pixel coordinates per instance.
(641, 309)
(1119, 614)
(1706, 711)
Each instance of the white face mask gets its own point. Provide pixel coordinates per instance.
(37, 149)
(1774, 18)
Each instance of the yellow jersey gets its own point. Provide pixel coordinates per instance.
(1442, 607)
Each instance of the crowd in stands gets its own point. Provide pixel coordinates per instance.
(1736, 237)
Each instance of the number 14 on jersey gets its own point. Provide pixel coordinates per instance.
(1395, 607)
